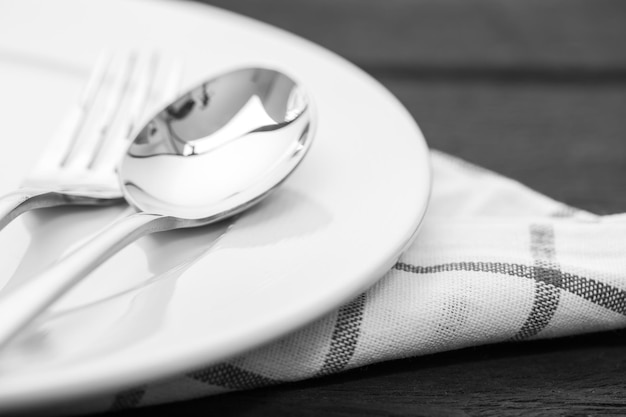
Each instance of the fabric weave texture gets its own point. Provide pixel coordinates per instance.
(494, 262)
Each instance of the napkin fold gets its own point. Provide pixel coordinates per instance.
(494, 262)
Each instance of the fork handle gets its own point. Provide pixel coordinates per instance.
(24, 303)
(25, 199)
(22, 200)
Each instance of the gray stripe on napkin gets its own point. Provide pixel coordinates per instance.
(549, 279)
(599, 293)
(342, 346)
(229, 376)
(128, 399)
(345, 336)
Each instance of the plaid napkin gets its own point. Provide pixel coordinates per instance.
(493, 262)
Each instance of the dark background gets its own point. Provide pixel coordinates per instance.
(533, 89)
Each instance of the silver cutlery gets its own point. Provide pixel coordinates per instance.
(78, 166)
(217, 150)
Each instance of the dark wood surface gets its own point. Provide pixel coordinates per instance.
(533, 89)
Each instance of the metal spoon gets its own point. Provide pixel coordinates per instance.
(217, 150)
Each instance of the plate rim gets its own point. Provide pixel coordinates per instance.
(99, 387)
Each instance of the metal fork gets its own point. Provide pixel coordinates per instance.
(78, 167)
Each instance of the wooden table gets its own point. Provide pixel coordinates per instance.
(533, 89)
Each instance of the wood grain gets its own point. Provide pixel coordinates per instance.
(564, 140)
(564, 35)
(578, 376)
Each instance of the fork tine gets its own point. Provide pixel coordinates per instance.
(150, 92)
(137, 96)
(65, 137)
(141, 97)
(104, 112)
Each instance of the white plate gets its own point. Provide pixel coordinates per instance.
(181, 300)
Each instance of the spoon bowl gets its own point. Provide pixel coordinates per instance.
(217, 150)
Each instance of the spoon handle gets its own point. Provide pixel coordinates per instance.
(23, 304)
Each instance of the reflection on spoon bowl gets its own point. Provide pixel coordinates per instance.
(219, 147)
